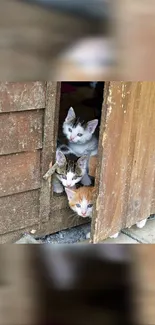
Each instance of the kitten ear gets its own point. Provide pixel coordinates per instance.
(91, 126)
(82, 162)
(60, 158)
(70, 115)
(70, 193)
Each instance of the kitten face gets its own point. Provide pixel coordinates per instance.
(70, 172)
(76, 131)
(81, 200)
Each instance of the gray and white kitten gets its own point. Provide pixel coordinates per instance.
(70, 171)
(80, 135)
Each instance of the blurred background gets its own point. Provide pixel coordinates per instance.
(78, 284)
(77, 40)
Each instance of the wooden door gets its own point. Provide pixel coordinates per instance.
(126, 173)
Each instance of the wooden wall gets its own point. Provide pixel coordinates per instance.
(21, 130)
(29, 118)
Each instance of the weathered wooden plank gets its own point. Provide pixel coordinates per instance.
(144, 270)
(59, 220)
(19, 299)
(13, 236)
(20, 96)
(21, 131)
(59, 202)
(19, 172)
(51, 121)
(19, 211)
(125, 176)
(31, 38)
(134, 54)
(153, 200)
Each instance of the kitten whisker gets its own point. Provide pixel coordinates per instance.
(73, 215)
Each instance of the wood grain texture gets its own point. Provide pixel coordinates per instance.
(51, 120)
(20, 96)
(60, 219)
(153, 200)
(125, 177)
(31, 38)
(136, 34)
(144, 270)
(19, 298)
(19, 211)
(21, 131)
(19, 172)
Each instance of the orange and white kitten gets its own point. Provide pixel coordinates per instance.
(81, 200)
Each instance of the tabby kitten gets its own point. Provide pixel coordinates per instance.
(70, 170)
(80, 135)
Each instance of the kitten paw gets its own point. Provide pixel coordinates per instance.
(115, 235)
(58, 189)
(141, 224)
(88, 235)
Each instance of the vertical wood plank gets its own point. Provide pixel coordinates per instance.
(136, 34)
(51, 121)
(18, 296)
(144, 270)
(125, 176)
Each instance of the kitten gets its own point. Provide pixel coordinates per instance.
(80, 135)
(70, 170)
(81, 200)
(89, 176)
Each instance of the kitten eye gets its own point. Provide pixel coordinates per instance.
(78, 205)
(69, 129)
(79, 134)
(74, 177)
(89, 205)
(64, 176)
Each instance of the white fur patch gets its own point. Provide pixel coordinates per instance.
(88, 148)
(141, 224)
(88, 235)
(69, 181)
(84, 210)
(115, 235)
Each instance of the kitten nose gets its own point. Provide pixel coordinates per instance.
(84, 213)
